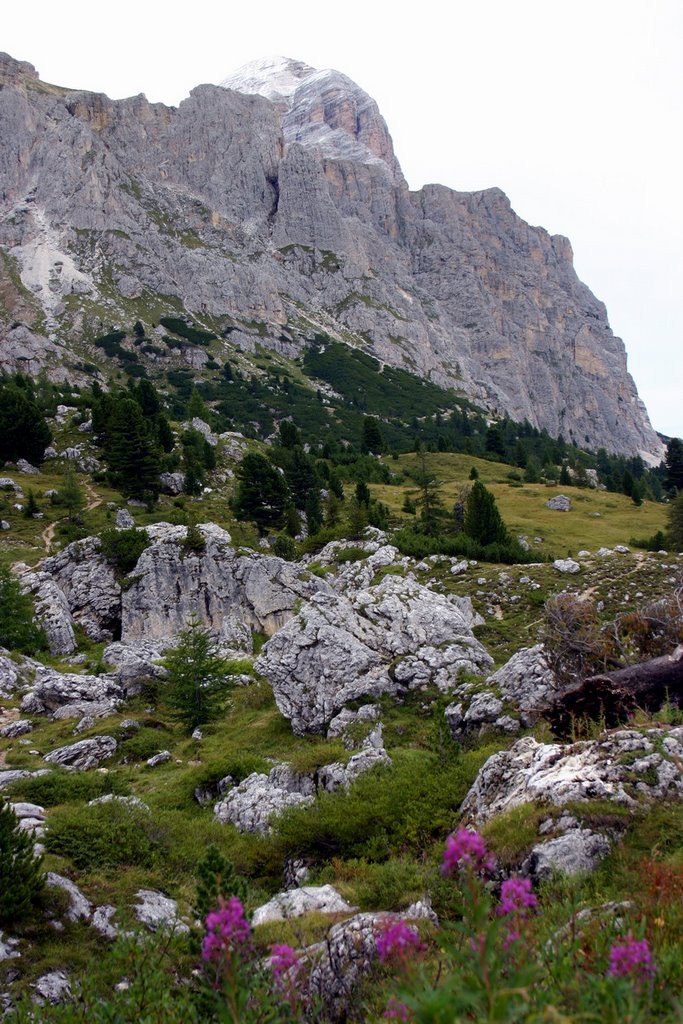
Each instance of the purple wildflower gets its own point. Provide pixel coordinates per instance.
(282, 960)
(516, 897)
(466, 849)
(226, 929)
(396, 1010)
(631, 959)
(396, 940)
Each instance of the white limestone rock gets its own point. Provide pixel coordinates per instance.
(251, 805)
(85, 754)
(566, 565)
(623, 766)
(53, 987)
(158, 912)
(80, 907)
(579, 851)
(319, 899)
(560, 503)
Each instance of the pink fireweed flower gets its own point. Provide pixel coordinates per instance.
(282, 960)
(516, 897)
(631, 959)
(466, 849)
(396, 1010)
(396, 940)
(226, 930)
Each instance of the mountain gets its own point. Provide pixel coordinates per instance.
(271, 211)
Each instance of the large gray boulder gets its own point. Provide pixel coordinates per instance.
(396, 635)
(528, 681)
(579, 851)
(325, 657)
(84, 754)
(627, 767)
(319, 899)
(230, 593)
(68, 695)
(88, 583)
(251, 805)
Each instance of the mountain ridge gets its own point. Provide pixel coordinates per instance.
(235, 211)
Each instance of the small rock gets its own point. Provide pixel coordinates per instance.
(53, 988)
(566, 565)
(161, 758)
(18, 728)
(124, 520)
(158, 912)
(560, 503)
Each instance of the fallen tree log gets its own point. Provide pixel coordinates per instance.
(613, 697)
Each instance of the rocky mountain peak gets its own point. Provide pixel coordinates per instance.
(322, 110)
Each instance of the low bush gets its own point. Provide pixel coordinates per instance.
(108, 835)
(124, 547)
(62, 787)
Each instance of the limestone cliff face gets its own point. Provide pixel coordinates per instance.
(279, 199)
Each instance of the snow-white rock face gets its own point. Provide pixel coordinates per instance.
(323, 110)
(625, 767)
(320, 899)
(338, 649)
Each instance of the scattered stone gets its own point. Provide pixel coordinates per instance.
(101, 921)
(124, 520)
(25, 467)
(172, 483)
(52, 988)
(4, 525)
(621, 549)
(8, 948)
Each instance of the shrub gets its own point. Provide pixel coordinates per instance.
(62, 787)
(124, 547)
(106, 835)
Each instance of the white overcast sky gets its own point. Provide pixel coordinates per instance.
(573, 107)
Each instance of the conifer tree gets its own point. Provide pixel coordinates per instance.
(21, 878)
(18, 632)
(483, 521)
(198, 682)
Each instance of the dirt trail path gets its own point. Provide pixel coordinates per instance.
(48, 534)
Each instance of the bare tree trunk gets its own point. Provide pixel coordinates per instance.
(613, 696)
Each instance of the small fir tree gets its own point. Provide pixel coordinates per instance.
(198, 683)
(18, 631)
(21, 877)
(483, 521)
